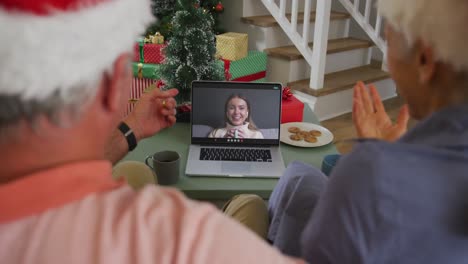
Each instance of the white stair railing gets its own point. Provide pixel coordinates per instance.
(364, 20)
(316, 55)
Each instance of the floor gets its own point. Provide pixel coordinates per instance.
(343, 129)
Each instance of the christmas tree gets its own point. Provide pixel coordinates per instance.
(164, 11)
(215, 8)
(190, 54)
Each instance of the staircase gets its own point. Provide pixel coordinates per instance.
(341, 39)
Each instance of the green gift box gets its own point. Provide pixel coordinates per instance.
(145, 70)
(249, 69)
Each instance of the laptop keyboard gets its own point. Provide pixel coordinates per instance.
(235, 154)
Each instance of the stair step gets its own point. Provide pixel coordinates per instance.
(342, 80)
(269, 21)
(334, 46)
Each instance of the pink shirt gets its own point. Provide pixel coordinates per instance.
(77, 213)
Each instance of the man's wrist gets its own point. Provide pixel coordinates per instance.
(133, 124)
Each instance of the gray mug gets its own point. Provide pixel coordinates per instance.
(166, 166)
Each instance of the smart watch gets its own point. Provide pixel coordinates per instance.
(129, 136)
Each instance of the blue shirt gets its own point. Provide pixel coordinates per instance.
(404, 202)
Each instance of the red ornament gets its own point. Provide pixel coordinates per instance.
(196, 5)
(287, 93)
(184, 108)
(219, 7)
(160, 84)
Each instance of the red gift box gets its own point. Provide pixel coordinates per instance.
(138, 87)
(149, 53)
(292, 110)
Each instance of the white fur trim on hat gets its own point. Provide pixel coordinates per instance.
(42, 54)
(440, 24)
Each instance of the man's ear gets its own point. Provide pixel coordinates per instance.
(116, 84)
(426, 63)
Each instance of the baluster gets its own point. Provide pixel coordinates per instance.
(356, 6)
(306, 28)
(294, 12)
(282, 8)
(319, 52)
(378, 25)
(368, 10)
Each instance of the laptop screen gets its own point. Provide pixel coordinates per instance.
(234, 113)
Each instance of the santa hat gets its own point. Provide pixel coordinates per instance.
(50, 45)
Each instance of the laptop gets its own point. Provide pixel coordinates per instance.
(235, 130)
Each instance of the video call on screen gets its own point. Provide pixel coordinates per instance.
(212, 119)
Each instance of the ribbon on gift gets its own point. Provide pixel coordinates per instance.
(141, 52)
(247, 78)
(227, 67)
(287, 94)
(140, 70)
(251, 77)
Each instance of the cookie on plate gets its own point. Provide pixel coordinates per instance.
(296, 137)
(294, 129)
(310, 139)
(315, 133)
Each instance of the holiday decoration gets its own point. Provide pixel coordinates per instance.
(232, 46)
(130, 105)
(190, 52)
(148, 52)
(249, 69)
(157, 38)
(219, 7)
(144, 75)
(292, 110)
(164, 11)
(287, 94)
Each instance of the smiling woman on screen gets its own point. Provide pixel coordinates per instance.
(238, 119)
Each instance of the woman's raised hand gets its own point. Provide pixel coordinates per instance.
(370, 118)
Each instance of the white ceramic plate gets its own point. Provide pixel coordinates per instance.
(322, 140)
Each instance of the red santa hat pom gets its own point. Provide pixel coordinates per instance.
(51, 46)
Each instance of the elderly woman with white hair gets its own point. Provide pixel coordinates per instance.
(398, 197)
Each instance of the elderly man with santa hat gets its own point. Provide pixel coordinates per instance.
(64, 79)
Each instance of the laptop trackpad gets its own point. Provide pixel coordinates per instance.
(235, 168)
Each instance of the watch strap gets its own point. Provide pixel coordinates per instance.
(129, 136)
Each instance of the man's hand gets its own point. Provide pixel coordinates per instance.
(370, 118)
(154, 111)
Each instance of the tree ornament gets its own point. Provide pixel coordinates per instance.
(219, 7)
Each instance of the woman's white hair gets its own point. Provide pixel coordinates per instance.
(441, 24)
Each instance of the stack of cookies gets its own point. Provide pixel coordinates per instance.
(298, 135)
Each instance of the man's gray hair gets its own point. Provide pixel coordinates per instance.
(72, 101)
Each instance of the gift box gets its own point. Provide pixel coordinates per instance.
(292, 110)
(232, 46)
(157, 38)
(149, 53)
(144, 75)
(249, 69)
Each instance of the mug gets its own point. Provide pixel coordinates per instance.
(166, 166)
(329, 162)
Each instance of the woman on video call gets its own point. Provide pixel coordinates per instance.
(239, 123)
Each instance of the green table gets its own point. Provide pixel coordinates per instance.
(177, 138)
